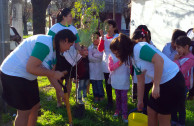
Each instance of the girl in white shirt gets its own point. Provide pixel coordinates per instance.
(95, 65)
(168, 82)
(104, 46)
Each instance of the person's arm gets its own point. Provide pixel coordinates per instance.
(140, 91)
(34, 66)
(186, 66)
(98, 55)
(150, 55)
(101, 44)
(113, 66)
(92, 58)
(158, 62)
(57, 86)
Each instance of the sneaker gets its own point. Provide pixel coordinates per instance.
(125, 119)
(80, 102)
(116, 114)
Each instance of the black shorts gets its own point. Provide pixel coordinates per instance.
(172, 96)
(63, 65)
(20, 93)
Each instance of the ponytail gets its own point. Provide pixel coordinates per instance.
(62, 13)
(140, 34)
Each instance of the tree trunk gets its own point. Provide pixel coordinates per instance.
(39, 15)
(24, 17)
(17, 16)
(25, 25)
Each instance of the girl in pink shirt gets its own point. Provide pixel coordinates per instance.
(185, 60)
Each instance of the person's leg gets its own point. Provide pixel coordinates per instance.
(88, 87)
(85, 84)
(108, 90)
(80, 88)
(124, 102)
(95, 89)
(33, 115)
(21, 118)
(118, 102)
(182, 111)
(146, 93)
(152, 117)
(134, 92)
(100, 89)
(164, 120)
(174, 118)
(59, 101)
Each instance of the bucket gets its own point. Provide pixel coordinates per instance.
(137, 119)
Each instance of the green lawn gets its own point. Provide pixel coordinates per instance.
(53, 116)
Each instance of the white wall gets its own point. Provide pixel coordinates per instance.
(162, 17)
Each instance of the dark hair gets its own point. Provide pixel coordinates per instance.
(177, 33)
(140, 27)
(183, 41)
(113, 23)
(124, 46)
(64, 12)
(97, 33)
(140, 34)
(62, 35)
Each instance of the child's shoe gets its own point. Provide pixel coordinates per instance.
(116, 114)
(125, 119)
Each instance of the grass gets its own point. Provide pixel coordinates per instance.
(53, 116)
(26, 36)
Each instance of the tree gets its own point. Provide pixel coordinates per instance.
(39, 15)
(64, 3)
(127, 12)
(86, 14)
(27, 10)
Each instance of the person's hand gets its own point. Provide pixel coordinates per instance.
(156, 92)
(101, 33)
(177, 56)
(110, 59)
(140, 105)
(58, 75)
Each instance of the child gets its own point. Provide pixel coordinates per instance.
(95, 65)
(190, 34)
(104, 46)
(119, 74)
(185, 60)
(83, 75)
(170, 49)
(141, 35)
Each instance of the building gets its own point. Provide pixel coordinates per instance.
(162, 17)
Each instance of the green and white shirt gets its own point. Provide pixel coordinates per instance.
(142, 62)
(39, 46)
(58, 27)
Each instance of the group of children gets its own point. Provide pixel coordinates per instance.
(97, 62)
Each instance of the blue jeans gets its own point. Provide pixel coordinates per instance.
(82, 86)
(182, 113)
(98, 90)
